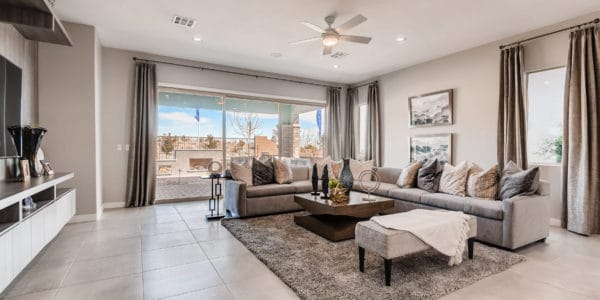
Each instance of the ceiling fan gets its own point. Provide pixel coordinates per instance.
(330, 37)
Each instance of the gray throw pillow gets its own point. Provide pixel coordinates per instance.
(428, 177)
(516, 181)
(262, 172)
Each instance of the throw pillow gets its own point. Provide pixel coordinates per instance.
(428, 177)
(262, 172)
(516, 181)
(482, 183)
(283, 171)
(334, 167)
(356, 167)
(409, 175)
(454, 179)
(241, 173)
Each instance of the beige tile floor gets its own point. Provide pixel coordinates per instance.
(171, 252)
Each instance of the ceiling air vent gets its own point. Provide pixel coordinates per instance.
(339, 54)
(183, 21)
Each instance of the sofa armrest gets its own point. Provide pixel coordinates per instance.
(526, 220)
(235, 198)
(544, 188)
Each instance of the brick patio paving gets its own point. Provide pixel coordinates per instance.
(171, 188)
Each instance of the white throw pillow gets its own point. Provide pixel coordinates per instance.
(356, 167)
(408, 176)
(454, 179)
(241, 173)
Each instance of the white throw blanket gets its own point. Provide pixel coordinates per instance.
(445, 231)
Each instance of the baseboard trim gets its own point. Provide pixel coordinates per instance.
(83, 218)
(555, 222)
(109, 205)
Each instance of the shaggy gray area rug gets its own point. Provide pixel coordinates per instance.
(316, 268)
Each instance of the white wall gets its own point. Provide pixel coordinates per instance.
(474, 76)
(22, 53)
(67, 108)
(117, 96)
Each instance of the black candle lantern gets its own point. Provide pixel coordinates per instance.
(315, 181)
(325, 183)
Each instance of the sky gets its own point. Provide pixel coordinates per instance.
(180, 121)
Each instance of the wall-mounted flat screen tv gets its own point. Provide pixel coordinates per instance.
(10, 105)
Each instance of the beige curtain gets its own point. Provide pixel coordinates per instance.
(512, 116)
(334, 115)
(348, 140)
(581, 148)
(374, 125)
(141, 174)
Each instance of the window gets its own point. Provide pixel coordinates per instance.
(362, 132)
(545, 94)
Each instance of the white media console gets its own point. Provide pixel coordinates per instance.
(24, 234)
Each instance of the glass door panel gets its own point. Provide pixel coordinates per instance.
(301, 130)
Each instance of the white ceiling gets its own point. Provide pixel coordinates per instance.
(243, 33)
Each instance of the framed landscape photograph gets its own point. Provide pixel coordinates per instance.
(426, 147)
(433, 109)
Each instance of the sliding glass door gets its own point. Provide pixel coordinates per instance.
(195, 129)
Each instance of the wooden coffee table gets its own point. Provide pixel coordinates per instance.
(336, 222)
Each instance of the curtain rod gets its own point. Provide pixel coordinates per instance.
(595, 21)
(364, 84)
(232, 72)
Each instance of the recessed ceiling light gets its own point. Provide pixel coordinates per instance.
(276, 54)
(400, 39)
(336, 66)
(197, 39)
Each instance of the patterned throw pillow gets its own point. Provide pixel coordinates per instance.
(357, 167)
(428, 177)
(241, 173)
(408, 176)
(262, 172)
(454, 179)
(515, 181)
(482, 183)
(283, 171)
(334, 167)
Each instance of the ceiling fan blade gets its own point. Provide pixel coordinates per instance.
(313, 27)
(351, 23)
(327, 50)
(355, 39)
(305, 41)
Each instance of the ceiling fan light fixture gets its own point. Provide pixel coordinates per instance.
(330, 41)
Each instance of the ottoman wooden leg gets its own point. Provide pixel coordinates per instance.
(470, 245)
(388, 271)
(361, 259)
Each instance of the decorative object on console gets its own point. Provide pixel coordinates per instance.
(426, 147)
(29, 204)
(48, 170)
(28, 139)
(346, 178)
(215, 167)
(325, 183)
(315, 181)
(369, 188)
(432, 109)
(24, 170)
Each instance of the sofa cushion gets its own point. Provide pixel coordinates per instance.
(357, 167)
(445, 201)
(408, 177)
(283, 171)
(482, 183)
(412, 195)
(270, 190)
(241, 173)
(383, 189)
(262, 172)
(301, 173)
(454, 179)
(483, 208)
(304, 186)
(428, 177)
(516, 181)
(388, 175)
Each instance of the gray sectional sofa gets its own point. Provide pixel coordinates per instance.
(510, 223)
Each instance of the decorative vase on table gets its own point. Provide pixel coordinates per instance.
(346, 177)
(28, 140)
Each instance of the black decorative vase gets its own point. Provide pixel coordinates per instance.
(315, 181)
(28, 140)
(346, 178)
(325, 183)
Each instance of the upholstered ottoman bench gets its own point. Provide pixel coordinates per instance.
(390, 243)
